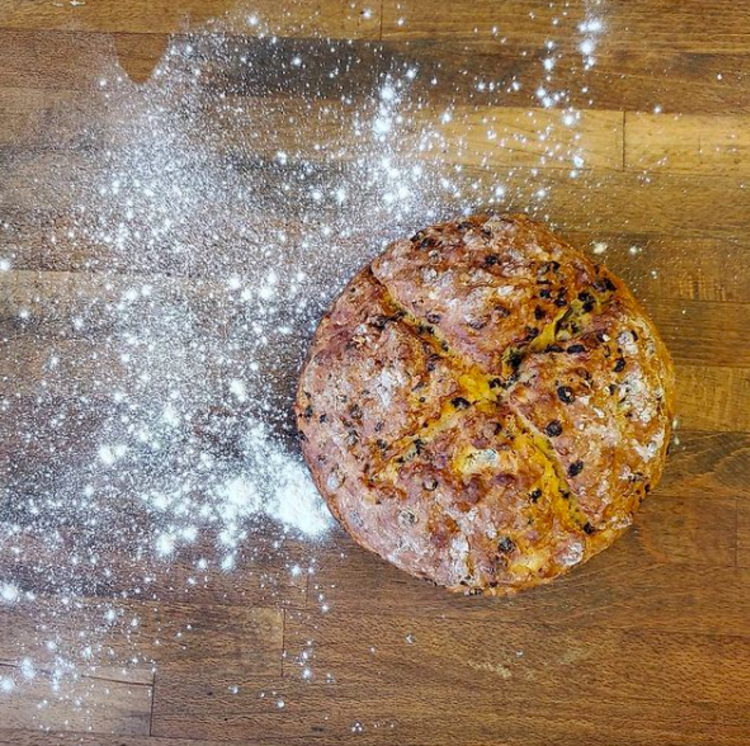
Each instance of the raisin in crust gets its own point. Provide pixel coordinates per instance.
(485, 407)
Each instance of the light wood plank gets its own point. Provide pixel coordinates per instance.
(336, 18)
(540, 138)
(698, 144)
(460, 135)
(674, 204)
(25, 112)
(325, 130)
(713, 398)
(706, 26)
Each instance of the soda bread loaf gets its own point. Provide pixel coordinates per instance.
(484, 406)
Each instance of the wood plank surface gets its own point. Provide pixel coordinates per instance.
(688, 144)
(716, 25)
(335, 18)
(411, 710)
(624, 125)
(167, 635)
(22, 737)
(111, 706)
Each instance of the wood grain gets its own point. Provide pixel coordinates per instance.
(630, 25)
(661, 267)
(671, 204)
(494, 136)
(174, 635)
(647, 644)
(450, 71)
(19, 737)
(111, 705)
(699, 144)
(335, 18)
(587, 665)
(712, 398)
(626, 589)
(411, 709)
(708, 465)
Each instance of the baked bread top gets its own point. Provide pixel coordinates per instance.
(484, 406)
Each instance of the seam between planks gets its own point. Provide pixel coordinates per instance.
(283, 639)
(151, 713)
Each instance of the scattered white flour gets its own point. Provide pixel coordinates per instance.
(9, 593)
(149, 447)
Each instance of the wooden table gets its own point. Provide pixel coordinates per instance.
(647, 644)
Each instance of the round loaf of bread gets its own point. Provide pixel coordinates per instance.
(484, 406)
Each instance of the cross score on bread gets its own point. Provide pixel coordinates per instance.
(484, 406)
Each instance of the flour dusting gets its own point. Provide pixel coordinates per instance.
(163, 265)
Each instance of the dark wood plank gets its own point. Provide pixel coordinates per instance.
(688, 530)
(18, 737)
(168, 635)
(716, 336)
(400, 704)
(583, 665)
(261, 574)
(98, 705)
(450, 71)
(632, 80)
(633, 585)
(677, 205)
(743, 531)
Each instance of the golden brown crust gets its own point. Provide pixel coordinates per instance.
(369, 381)
(600, 398)
(488, 285)
(485, 407)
